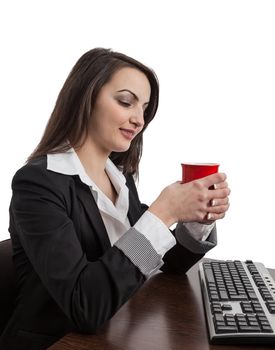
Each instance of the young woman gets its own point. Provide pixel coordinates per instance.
(83, 242)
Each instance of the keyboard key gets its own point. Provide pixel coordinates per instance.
(249, 329)
(238, 297)
(209, 275)
(223, 295)
(226, 307)
(271, 306)
(218, 318)
(252, 296)
(226, 329)
(267, 329)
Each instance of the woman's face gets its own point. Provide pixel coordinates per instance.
(118, 114)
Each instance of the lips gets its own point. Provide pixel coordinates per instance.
(128, 133)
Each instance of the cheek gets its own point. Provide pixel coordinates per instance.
(109, 117)
(119, 116)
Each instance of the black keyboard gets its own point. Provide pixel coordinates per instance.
(239, 301)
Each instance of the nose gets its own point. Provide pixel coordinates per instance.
(137, 118)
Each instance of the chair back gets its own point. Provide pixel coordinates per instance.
(7, 283)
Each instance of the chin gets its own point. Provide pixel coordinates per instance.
(122, 148)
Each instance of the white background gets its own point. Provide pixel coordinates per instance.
(216, 64)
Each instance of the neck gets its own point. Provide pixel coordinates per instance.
(92, 159)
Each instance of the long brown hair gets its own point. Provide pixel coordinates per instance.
(69, 121)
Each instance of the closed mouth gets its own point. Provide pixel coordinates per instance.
(128, 132)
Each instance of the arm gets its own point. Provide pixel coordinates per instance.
(187, 250)
(88, 292)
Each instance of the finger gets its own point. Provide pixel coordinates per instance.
(215, 216)
(220, 209)
(220, 193)
(216, 202)
(213, 179)
(220, 185)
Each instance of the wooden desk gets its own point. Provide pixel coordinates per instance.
(165, 314)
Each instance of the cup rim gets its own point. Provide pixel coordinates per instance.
(201, 164)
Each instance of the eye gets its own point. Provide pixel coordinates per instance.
(124, 103)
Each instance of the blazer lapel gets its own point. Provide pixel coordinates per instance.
(93, 214)
(132, 212)
(135, 211)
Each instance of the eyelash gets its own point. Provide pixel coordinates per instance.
(125, 104)
(128, 104)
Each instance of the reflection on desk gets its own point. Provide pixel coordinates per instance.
(166, 313)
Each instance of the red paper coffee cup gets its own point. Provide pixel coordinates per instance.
(194, 171)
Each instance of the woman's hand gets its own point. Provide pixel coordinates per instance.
(193, 201)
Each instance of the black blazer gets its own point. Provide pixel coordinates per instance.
(69, 277)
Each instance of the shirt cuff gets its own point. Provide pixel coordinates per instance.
(156, 232)
(140, 251)
(199, 231)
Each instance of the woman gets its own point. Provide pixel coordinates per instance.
(83, 242)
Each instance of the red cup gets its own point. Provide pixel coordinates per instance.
(193, 171)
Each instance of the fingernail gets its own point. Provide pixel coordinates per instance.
(209, 216)
(213, 202)
(215, 186)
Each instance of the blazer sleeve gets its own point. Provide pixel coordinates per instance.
(187, 251)
(88, 292)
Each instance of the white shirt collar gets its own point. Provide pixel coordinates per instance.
(68, 163)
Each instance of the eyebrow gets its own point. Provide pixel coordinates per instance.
(132, 93)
